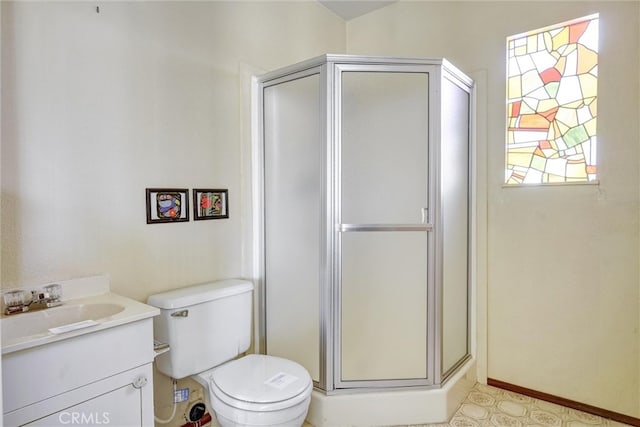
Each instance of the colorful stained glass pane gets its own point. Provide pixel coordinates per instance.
(551, 103)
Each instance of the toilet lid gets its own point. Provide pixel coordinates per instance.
(262, 379)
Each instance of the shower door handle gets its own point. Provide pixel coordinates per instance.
(384, 227)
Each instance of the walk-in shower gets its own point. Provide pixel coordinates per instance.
(363, 204)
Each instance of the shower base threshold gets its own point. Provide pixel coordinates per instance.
(395, 407)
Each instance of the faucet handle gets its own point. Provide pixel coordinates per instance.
(16, 301)
(54, 291)
(16, 297)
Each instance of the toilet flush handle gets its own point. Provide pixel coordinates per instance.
(181, 313)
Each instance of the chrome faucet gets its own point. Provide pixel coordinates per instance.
(20, 301)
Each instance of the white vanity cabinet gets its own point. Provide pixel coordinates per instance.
(100, 375)
(104, 377)
(118, 401)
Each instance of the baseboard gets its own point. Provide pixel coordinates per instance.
(604, 413)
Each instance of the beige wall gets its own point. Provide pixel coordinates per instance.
(563, 285)
(100, 106)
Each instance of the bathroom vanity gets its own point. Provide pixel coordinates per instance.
(86, 362)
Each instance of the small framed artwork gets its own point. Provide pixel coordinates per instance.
(167, 205)
(210, 203)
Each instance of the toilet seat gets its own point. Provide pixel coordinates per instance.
(260, 383)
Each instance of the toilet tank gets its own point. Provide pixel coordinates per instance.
(205, 325)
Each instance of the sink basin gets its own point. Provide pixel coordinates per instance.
(90, 308)
(36, 323)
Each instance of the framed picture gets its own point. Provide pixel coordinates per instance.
(167, 205)
(210, 203)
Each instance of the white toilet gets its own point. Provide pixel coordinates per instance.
(206, 326)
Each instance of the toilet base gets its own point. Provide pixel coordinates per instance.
(297, 422)
(289, 417)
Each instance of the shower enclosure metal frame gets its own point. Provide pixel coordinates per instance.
(329, 69)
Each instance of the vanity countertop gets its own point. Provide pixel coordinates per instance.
(80, 314)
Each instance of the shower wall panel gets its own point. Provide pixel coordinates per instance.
(292, 215)
(454, 177)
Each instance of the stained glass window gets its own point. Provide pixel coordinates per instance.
(552, 77)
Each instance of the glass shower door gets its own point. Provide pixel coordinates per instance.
(384, 232)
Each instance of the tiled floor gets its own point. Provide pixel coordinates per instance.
(490, 406)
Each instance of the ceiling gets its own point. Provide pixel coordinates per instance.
(349, 9)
